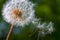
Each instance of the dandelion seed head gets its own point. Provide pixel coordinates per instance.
(19, 11)
(46, 29)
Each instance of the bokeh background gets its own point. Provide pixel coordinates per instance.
(47, 10)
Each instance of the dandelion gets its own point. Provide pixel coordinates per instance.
(45, 29)
(18, 13)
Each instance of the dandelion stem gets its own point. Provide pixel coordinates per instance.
(38, 35)
(11, 28)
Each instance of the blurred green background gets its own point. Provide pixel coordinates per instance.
(47, 10)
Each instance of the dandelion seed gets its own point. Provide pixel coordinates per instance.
(50, 27)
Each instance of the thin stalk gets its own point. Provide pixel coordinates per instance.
(38, 35)
(11, 28)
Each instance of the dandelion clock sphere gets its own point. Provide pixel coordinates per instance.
(18, 13)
